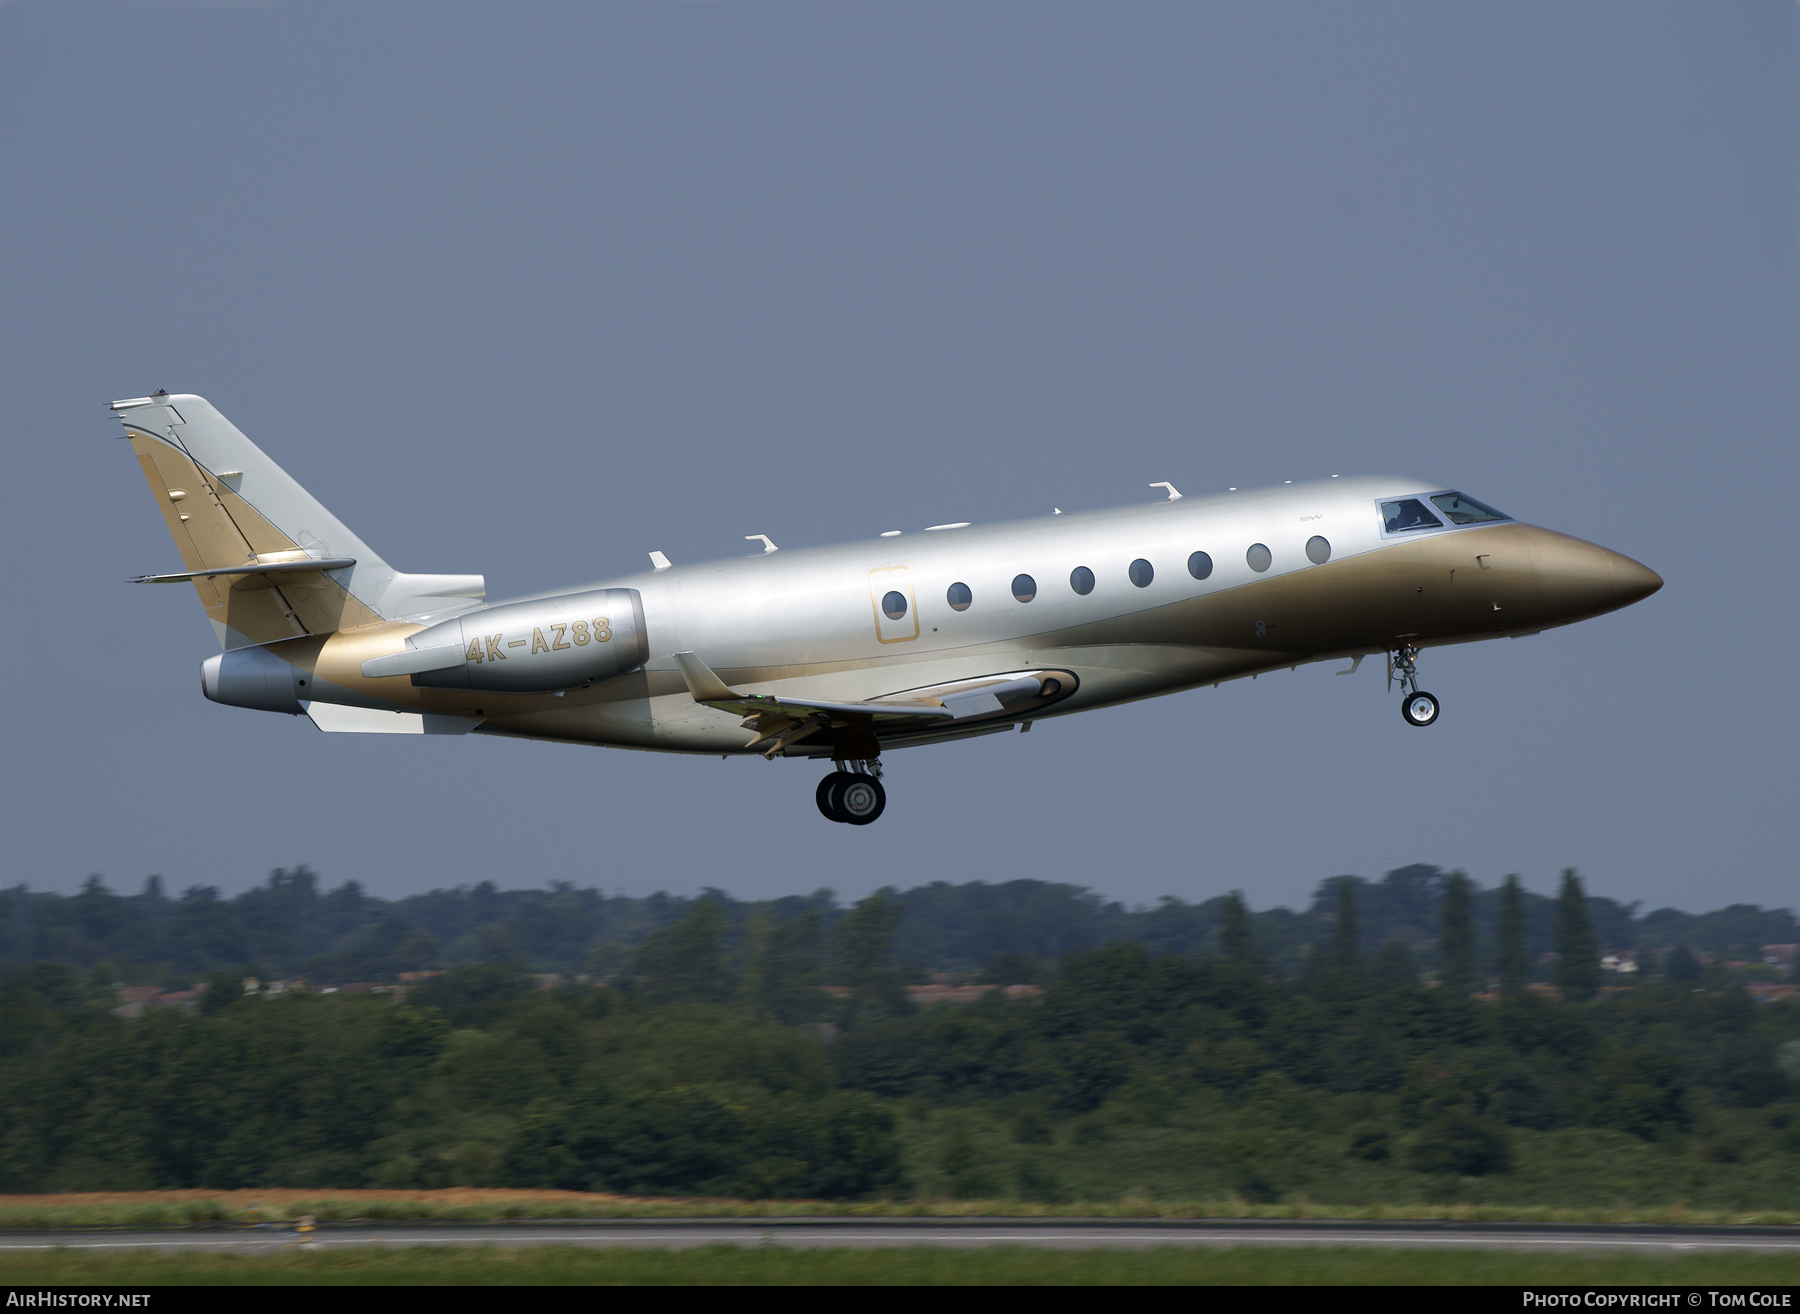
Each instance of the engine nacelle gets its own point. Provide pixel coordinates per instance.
(541, 646)
(252, 677)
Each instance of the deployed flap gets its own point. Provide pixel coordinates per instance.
(706, 687)
(338, 719)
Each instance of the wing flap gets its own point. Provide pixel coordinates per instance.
(335, 718)
(706, 687)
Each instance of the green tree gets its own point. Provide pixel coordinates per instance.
(1012, 969)
(476, 995)
(1235, 941)
(781, 979)
(1514, 966)
(223, 989)
(1456, 939)
(1394, 968)
(685, 963)
(1578, 957)
(1346, 951)
(1459, 1144)
(877, 987)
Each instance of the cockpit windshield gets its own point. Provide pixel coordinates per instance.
(1465, 510)
(1408, 513)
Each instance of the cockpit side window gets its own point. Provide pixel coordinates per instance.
(1466, 510)
(1408, 513)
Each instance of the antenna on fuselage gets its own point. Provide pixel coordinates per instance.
(1173, 496)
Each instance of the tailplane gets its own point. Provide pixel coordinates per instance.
(268, 561)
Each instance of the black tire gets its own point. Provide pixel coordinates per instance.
(826, 795)
(859, 800)
(1420, 709)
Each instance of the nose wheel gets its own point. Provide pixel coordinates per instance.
(1417, 707)
(853, 797)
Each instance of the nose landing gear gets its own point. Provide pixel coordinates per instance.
(855, 796)
(1417, 707)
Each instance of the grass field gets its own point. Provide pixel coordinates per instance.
(466, 1204)
(914, 1265)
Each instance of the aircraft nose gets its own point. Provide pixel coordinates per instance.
(1583, 579)
(1633, 580)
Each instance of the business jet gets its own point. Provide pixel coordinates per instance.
(843, 653)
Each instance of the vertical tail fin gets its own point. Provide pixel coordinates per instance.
(231, 509)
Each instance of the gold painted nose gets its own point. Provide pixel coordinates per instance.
(1633, 580)
(1583, 579)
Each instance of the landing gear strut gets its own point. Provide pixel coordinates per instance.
(1417, 707)
(856, 796)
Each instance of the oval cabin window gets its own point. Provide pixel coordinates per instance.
(1024, 588)
(1318, 550)
(1142, 572)
(1081, 579)
(959, 597)
(1258, 557)
(893, 606)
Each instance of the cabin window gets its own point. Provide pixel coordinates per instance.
(1258, 557)
(1081, 579)
(1200, 565)
(959, 597)
(893, 605)
(1318, 549)
(1142, 572)
(1408, 513)
(1466, 510)
(1024, 588)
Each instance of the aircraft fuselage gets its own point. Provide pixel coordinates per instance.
(811, 620)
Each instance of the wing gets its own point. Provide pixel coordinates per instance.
(785, 719)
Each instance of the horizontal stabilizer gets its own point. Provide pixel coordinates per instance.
(338, 719)
(414, 661)
(264, 568)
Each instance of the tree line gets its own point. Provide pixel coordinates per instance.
(714, 1063)
(291, 926)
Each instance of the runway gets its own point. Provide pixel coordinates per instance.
(865, 1233)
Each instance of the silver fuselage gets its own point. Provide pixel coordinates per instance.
(808, 622)
(777, 653)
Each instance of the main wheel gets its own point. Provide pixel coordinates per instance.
(860, 800)
(1419, 708)
(826, 794)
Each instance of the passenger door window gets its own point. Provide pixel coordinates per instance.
(896, 610)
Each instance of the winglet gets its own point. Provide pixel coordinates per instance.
(659, 562)
(701, 682)
(1173, 495)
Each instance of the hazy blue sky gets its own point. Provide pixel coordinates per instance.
(531, 289)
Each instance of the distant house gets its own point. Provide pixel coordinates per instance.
(133, 1000)
(949, 994)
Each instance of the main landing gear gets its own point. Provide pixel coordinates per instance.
(855, 797)
(1417, 707)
